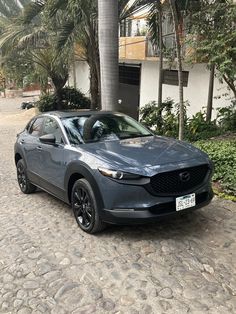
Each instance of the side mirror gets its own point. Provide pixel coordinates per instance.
(48, 139)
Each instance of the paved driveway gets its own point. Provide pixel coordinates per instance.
(47, 265)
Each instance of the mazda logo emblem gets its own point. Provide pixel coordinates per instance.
(184, 176)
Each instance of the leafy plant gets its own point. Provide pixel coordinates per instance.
(161, 119)
(198, 128)
(227, 117)
(71, 99)
(223, 154)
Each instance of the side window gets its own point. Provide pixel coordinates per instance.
(51, 127)
(35, 127)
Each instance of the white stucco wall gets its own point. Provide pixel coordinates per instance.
(82, 77)
(196, 92)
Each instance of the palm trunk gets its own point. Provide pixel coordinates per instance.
(210, 93)
(160, 58)
(58, 84)
(180, 70)
(108, 47)
(94, 88)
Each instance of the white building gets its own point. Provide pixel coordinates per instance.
(139, 73)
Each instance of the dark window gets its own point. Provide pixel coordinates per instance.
(52, 127)
(36, 126)
(129, 74)
(126, 28)
(170, 77)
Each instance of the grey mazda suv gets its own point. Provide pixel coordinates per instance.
(110, 168)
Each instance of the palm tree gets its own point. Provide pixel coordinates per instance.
(10, 8)
(82, 28)
(108, 47)
(36, 35)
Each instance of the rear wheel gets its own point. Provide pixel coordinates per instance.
(23, 181)
(85, 207)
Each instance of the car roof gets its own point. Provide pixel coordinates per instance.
(68, 114)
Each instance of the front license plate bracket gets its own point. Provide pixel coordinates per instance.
(186, 201)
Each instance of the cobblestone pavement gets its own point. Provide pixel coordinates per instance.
(47, 265)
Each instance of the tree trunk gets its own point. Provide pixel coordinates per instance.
(108, 48)
(160, 58)
(58, 84)
(231, 85)
(210, 93)
(180, 72)
(94, 88)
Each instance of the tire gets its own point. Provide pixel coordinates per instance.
(85, 207)
(23, 181)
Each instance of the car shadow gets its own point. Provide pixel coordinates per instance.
(185, 224)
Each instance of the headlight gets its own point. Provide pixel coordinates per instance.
(119, 175)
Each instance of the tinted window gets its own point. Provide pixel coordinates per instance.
(52, 127)
(105, 127)
(36, 126)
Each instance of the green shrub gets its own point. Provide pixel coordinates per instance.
(71, 99)
(160, 119)
(74, 99)
(227, 117)
(163, 120)
(223, 154)
(47, 103)
(198, 128)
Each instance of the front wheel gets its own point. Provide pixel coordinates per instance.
(23, 181)
(85, 208)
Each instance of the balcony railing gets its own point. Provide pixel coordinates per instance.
(141, 48)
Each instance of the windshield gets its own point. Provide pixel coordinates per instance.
(107, 127)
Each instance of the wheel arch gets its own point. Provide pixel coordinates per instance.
(17, 157)
(78, 171)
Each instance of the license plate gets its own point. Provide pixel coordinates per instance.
(186, 201)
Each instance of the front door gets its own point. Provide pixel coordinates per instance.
(53, 166)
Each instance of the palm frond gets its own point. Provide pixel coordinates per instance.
(153, 23)
(31, 11)
(126, 11)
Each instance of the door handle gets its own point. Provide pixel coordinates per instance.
(39, 148)
(22, 142)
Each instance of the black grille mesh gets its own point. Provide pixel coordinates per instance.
(170, 182)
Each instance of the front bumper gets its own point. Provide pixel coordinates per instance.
(153, 213)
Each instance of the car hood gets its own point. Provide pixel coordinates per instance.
(139, 154)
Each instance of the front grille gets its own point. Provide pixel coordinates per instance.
(175, 182)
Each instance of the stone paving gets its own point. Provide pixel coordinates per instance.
(48, 265)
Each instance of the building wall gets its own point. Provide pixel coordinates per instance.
(82, 77)
(196, 92)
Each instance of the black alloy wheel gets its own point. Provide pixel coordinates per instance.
(23, 181)
(85, 207)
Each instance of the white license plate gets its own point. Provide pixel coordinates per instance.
(186, 201)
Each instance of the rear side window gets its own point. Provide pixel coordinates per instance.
(36, 127)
